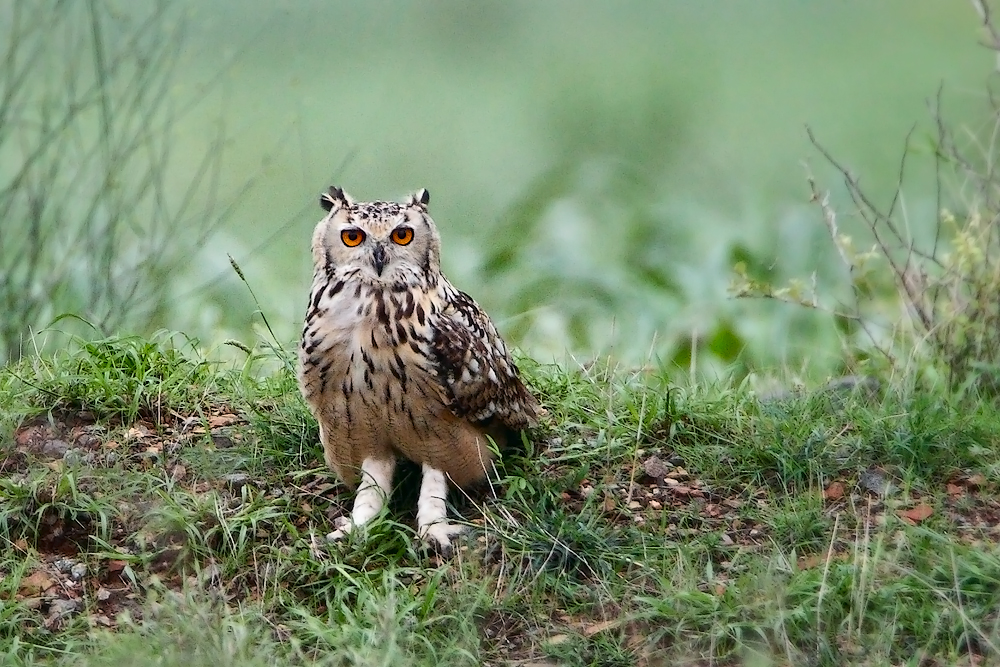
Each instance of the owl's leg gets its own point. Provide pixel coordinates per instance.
(374, 490)
(432, 513)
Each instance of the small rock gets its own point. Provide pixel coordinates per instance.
(634, 505)
(78, 571)
(64, 565)
(655, 504)
(875, 481)
(726, 540)
(236, 480)
(55, 448)
(103, 594)
(59, 609)
(655, 467)
(849, 383)
(87, 440)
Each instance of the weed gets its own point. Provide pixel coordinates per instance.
(640, 522)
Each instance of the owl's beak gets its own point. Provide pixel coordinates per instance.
(379, 258)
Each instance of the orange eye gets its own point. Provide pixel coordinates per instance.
(402, 235)
(352, 237)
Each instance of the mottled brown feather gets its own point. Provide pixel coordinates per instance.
(394, 361)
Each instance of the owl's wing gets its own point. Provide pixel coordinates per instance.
(479, 381)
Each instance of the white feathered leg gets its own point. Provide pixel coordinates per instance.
(432, 512)
(373, 492)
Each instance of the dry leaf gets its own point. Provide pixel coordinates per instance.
(35, 583)
(954, 489)
(976, 481)
(592, 630)
(811, 561)
(916, 514)
(101, 620)
(834, 492)
(138, 432)
(222, 420)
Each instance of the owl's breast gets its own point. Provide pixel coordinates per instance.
(369, 348)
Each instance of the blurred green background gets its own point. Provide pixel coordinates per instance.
(596, 169)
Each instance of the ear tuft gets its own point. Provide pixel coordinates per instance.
(334, 198)
(420, 198)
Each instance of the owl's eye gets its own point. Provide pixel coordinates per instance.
(352, 237)
(402, 235)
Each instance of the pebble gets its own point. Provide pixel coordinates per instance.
(236, 480)
(655, 467)
(64, 565)
(60, 607)
(55, 448)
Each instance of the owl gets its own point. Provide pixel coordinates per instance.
(396, 362)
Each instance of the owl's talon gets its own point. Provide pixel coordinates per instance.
(343, 529)
(437, 537)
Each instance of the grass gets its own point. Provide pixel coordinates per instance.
(161, 508)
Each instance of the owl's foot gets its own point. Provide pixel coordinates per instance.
(343, 527)
(437, 537)
(432, 513)
(375, 487)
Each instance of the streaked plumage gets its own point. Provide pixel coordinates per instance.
(394, 361)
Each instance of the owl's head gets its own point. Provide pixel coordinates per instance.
(377, 242)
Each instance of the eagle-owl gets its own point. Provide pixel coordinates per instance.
(394, 361)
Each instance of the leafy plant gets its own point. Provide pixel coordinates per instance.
(947, 284)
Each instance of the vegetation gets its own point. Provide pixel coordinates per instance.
(89, 191)
(160, 506)
(157, 504)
